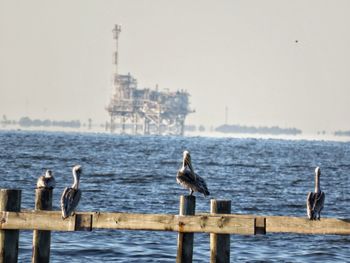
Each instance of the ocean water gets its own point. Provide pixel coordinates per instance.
(137, 174)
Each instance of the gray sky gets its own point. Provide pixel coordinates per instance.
(56, 58)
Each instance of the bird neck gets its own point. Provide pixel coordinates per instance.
(317, 184)
(75, 184)
(183, 165)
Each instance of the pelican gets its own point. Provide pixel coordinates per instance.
(189, 179)
(71, 195)
(46, 181)
(315, 201)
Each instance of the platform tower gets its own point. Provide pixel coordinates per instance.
(116, 84)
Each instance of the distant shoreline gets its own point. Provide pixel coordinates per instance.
(274, 130)
(213, 134)
(301, 137)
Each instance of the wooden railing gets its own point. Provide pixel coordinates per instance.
(87, 221)
(219, 225)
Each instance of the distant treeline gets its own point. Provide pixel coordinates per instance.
(342, 133)
(5, 121)
(193, 128)
(27, 122)
(275, 130)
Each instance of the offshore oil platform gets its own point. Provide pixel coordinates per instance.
(144, 111)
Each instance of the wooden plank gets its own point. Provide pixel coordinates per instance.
(220, 224)
(38, 220)
(187, 224)
(302, 225)
(42, 238)
(220, 243)
(260, 221)
(10, 200)
(185, 240)
(51, 220)
(217, 224)
(128, 221)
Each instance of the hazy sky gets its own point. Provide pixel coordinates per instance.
(276, 62)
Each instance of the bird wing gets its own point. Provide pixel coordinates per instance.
(186, 177)
(319, 201)
(309, 204)
(69, 200)
(202, 186)
(64, 199)
(51, 183)
(40, 182)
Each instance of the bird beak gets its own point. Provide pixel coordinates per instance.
(189, 163)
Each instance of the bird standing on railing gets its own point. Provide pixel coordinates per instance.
(189, 179)
(46, 181)
(315, 201)
(71, 195)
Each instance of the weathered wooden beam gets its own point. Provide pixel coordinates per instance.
(163, 222)
(185, 240)
(10, 200)
(42, 238)
(220, 243)
(259, 221)
(302, 225)
(38, 220)
(51, 220)
(220, 224)
(128, 221)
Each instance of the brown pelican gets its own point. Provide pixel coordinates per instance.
(71, 195)
(189, 179)
(315, 201)
(46, 181)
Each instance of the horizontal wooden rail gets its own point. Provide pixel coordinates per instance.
(38, 220)
(204, 222)
(302, 225)
(51, 220)
(298, 225)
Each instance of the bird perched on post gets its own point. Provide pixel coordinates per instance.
(189, 179)
(315, 201)
(46, 181)
(71, 195)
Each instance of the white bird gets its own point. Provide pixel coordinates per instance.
(315, 201)
(71, 195)
(189, 179)
(46, 181)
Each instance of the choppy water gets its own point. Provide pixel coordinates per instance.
(137, 174)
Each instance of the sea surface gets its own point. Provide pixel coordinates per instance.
(137, 174)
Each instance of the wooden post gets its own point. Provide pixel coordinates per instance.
(220, 243)
(10, 200)
(185, 240)
(42, 238)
